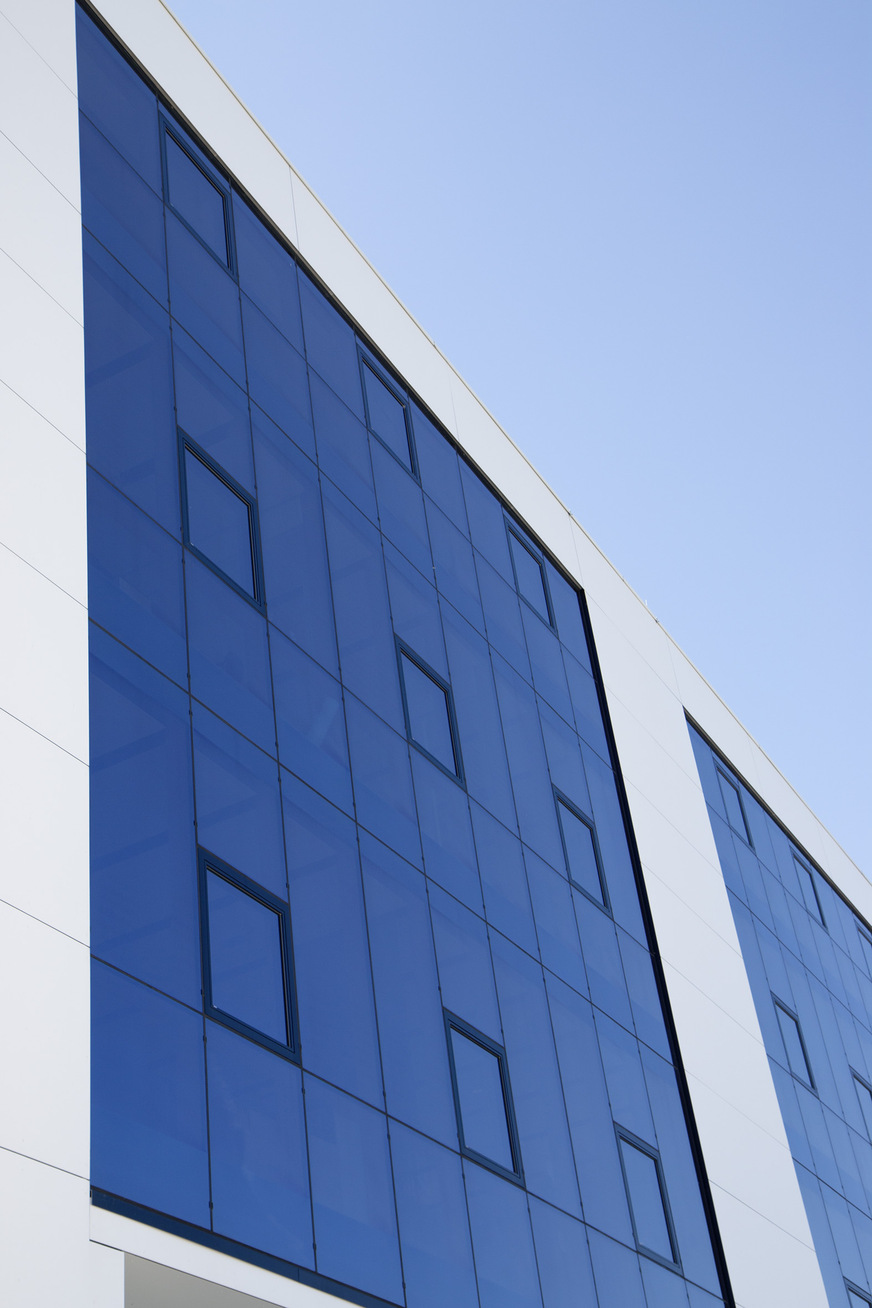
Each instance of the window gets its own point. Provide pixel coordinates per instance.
(794, 1045)
(387, 415)
(646, 1196)
(220, 521)
(196, 198)
(732, 797)
(856, 1298)
(482, 1099)
(864, 1094)
(809, 889)
(530, 578)
(866, 946)
(246, 938)
(580, 850)
(429, 712)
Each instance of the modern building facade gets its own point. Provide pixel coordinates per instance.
(437, 936)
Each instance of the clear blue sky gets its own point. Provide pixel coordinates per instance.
(640, 229)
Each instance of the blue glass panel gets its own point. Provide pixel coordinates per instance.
(616, 1272)
(585, 705)
(122, 212)
(415, 610)
(382, 780)
(204, 299)
(646, 1200)
(614, 851)
(143, 869)
(267, 273)
(465, 968)
(502, 1241)
(411, 1030)
(663, 1287)
(531, 783)
(454, 566)
(343, 449)
(555, 922)
(338, 1036)
(197, 198)
(563, 1258)
(502, 615)
(129, 388)
(438, 462)
(311, 722)
(330, 346)
(503, 880)
(487, 523)
(809, 889)
(644, 999)
(401, 509)
(386, 415)
(546, 660)
(434, 1226)
(446, 833)
(565, 603)
(363, 624)
(622, 1064)
(793, 1046)
(602, 958)
(581, 859)
(212, 409)
(733, 806)
(228, 655)
(352, 1192)
(277, 377)
(239, 811)
(219, 523)
(245, 958)
(536, 1087)
(135, 580)
(864, 1094)
(297, 580)
(481, 1099)
(530, 577)
(429, 717)
(563, 750)
(117, 101)
(148, 1098)
(260, 1181)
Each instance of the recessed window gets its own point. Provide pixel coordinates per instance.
(196, 198)
(809, 889)
(580, 850)
(482, 1098)
(429, 711)
(864, 1094)
(646, 1195)
(732, 797)
(866, 946)
(794, 1045)
(387, 415)
(246, 956)
(857, 1298)
(530, 577)
(220, 520)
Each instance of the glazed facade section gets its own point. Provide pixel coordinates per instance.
(373, 1002)
(809, 961)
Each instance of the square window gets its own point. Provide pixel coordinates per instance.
(732, 797)
(387, 415)
(530, 579)
(482, 1099)
(429, 712)
(580, 851)
(198, 200)
(646, 1196)
(220, 521)
(809, 889)
(794, 1045)
(864, 1094)
(245, 932)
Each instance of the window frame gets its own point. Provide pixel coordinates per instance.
(168, 128)
(627, 1137)
(403, 650)
(514, 532)
(802, 866)
(724, 778)
(453, 1022)
(810, 1083)
(187, 443)
(365, 360)
(560, 798)
(206, 863)
(862, 1296)
(865, 947)
(861, 1081)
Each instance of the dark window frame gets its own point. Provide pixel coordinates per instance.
(206, 863)
(366, 360)
(861, 1081)
(803, 867)
(561, 799)
(810, 1083)
(453, 1022)
(861, 1295)
(865, 947)
(724, 778)
(403, 650)
(627, 1137)
(186, 443)
(169, 128)
(514, 532)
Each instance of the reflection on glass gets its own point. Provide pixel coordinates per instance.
(245, 954)
(645, 1193)
(387, 416)
(196, 199)
(482, 1100)
(429, 715)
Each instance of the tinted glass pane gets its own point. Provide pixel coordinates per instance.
(246, 966)
(429, 723)
(808, 889)
(219, 522)
(196, 198)
(857, 1301)
(387, 416)
(531, 582)
(482, 1105)
(580, 853)
(646, 1201)
(866, 945)
(733, 805)
(793, 1046)
(865, 1097)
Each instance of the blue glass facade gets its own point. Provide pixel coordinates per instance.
(809, 963)
(374, 1001)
